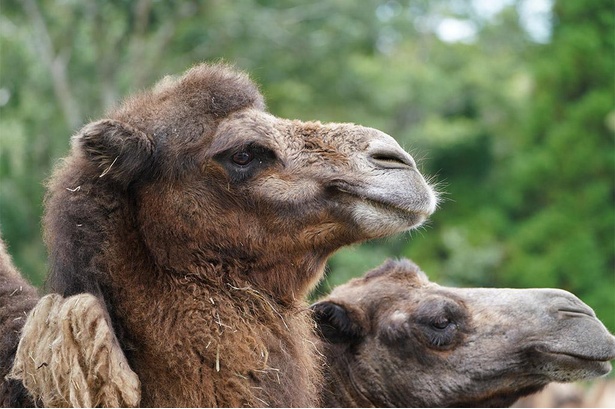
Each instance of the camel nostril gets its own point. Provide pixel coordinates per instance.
(391, 160)
(574, 313)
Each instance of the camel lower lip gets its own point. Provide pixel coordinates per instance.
(385, 205)
(394, 215)
(394, 208)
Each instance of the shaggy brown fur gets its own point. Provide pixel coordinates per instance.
(202, 222)
(394, 339)
(69, 356)
(17, 297)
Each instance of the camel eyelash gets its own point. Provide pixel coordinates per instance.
(442, 337)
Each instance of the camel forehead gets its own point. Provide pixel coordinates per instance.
(247, 127)
(396, 281)
(402, 271)
(328, 141)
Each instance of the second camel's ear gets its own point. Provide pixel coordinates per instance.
(121, 151)
(335, 323)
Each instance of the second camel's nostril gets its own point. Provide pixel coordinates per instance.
(391, 160)
(574, 313)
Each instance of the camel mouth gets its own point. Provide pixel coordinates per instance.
(605, 355)
(410, 211)
(598, 365)
(583, 357)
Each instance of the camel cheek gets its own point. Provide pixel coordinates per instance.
(287, 192)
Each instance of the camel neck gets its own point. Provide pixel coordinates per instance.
(195, 343)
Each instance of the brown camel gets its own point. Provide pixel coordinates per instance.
(394, 339)
(202, 221)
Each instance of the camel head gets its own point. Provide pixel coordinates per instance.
(209, 179)
(392, 338)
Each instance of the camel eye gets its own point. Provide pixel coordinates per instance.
(441, 323)
(243, 162)
(242, 158)
(442, 333)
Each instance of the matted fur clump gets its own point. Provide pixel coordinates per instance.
(69, 356)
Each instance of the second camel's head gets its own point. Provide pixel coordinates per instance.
(395, 339)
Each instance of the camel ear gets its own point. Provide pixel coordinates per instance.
(335, 324)
(120, 151)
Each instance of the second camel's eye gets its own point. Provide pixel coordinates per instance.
(441, 323)
(242, 158)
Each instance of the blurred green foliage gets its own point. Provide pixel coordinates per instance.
(518, 133)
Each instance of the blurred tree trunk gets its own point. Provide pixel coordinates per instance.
(56, 62)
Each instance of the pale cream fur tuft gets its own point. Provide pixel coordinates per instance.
(69, 355)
